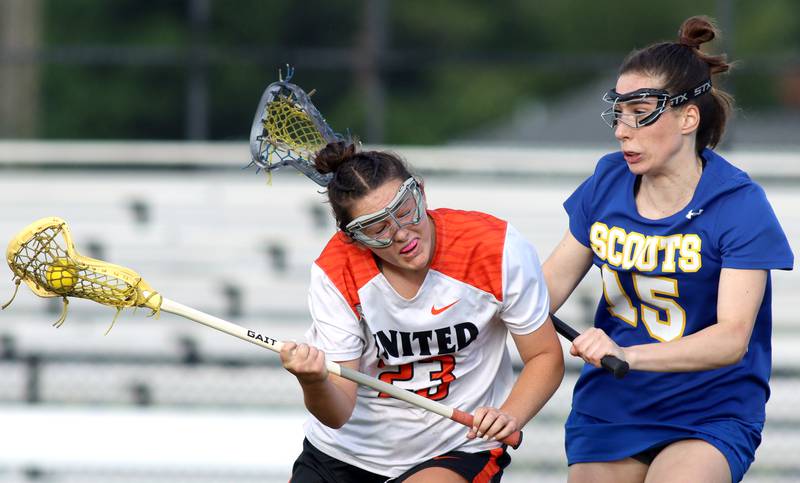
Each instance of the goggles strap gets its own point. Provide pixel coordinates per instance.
(698, 91)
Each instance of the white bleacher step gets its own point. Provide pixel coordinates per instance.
(783, 401)
(264, 295)
(106, 188)
(169, 385)
(84, 212)
(125, 439)
(243, 226)
(267, 256)
(13, 381)
(80, 340)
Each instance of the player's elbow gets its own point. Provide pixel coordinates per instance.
(335, 423)
(332, 412)
(333, 420)
(737, 341)
(731, 356)
(739, 351)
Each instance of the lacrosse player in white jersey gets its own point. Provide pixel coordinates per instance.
(424, 300)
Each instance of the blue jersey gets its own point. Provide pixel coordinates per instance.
(660, 283)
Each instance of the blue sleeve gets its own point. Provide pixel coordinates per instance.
(750, 236)
(577, 207)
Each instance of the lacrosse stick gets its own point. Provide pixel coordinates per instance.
(613, 365)
(44, 257)
(288, 130)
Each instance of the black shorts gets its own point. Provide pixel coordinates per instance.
(485, 466)
(314, 466)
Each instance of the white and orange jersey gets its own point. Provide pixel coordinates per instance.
(447, 343)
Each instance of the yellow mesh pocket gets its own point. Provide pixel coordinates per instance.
(289, 125)
(44, 257)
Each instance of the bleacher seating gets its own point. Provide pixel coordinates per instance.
(225, 243)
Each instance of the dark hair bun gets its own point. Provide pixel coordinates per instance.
(329, 158)
(696, 31)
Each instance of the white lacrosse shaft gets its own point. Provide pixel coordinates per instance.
(266, 342)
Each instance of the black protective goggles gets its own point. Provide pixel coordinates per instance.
(636, 119)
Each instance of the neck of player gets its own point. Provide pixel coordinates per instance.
(670, 189)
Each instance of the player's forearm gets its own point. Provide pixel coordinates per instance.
(328, 403)
(539, 379)
(716, 346)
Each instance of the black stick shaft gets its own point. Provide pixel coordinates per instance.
(610, 363)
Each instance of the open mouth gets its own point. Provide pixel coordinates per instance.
(632, 156)
(410, 247)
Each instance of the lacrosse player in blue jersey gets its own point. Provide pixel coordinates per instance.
(684, 242)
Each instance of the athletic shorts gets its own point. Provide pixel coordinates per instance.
(589, 439)
(314, 466)
(484, 466)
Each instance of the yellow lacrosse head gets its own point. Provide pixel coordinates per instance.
(288, 130)
(43, 255)
(289, 125)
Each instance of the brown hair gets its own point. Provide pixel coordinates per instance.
(356, 173)
(683, 66)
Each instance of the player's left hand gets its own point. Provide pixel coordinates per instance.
(593, 345)
(492, 424)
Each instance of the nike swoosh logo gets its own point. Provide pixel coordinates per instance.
(446, 458)
(435, 311)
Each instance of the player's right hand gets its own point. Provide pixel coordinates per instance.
(306, 362)
(593, 345)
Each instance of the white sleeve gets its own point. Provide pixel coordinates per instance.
(526, 302)
(335, 328)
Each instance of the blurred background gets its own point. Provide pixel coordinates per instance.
(130, 119)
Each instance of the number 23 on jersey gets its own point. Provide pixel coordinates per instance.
(437, 372)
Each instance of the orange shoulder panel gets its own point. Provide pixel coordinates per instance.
(347, 266)
(469, 247)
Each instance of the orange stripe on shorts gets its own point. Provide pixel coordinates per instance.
(491, 468)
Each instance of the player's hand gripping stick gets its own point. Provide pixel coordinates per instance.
(610, 363)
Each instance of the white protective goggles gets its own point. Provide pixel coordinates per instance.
(377, 229)
(632, 110)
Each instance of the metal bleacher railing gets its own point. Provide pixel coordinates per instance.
(168, 400)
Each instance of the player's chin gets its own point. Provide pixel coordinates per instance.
(412, 264)
(639, 169)
(416, 259)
